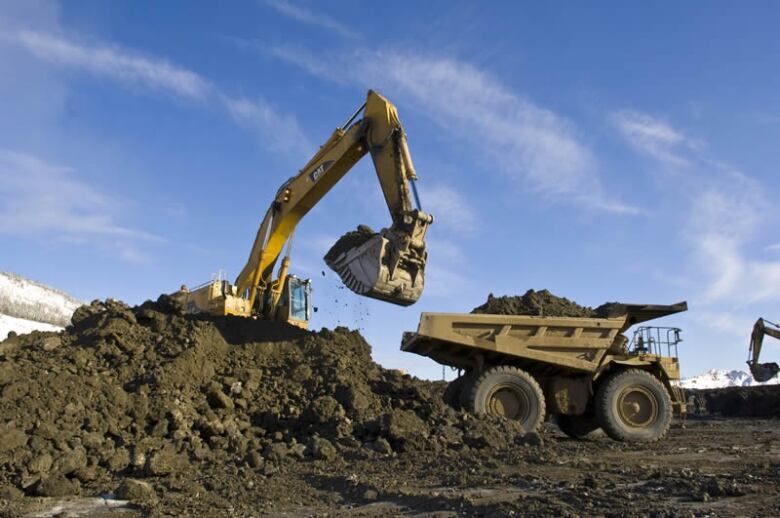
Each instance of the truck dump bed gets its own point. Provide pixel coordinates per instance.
(580, 344)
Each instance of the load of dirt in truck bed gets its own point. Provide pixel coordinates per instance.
(150, 392)
(544, 304)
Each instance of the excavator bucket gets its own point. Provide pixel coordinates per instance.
(370, 265)
(763, 371)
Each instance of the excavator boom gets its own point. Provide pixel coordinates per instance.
(762, 371)
(388, 265)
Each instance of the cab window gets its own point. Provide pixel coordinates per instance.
(298, 301)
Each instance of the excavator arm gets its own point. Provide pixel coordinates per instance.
(762, 371)
(388, 265)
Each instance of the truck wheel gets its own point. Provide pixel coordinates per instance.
(509, 392)
(452, 394)
(577, 426)
(634, 406)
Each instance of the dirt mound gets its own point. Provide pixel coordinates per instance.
(538, 303)
(151, 392)
(761, 401)
(542, 303)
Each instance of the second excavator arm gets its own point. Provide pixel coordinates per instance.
(762, 371)
(388, 265)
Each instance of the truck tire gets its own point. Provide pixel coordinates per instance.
(577, 426)
(634, 406)
(511, 393)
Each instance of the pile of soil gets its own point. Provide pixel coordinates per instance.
(348, 241)
(544, 304)
(760, 401)
(150, 392)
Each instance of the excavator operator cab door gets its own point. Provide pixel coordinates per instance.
(298, 299)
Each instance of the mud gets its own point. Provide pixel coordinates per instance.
(348, 241)
(183, 415)
(542, 303)
(152, 392)
(705, 467)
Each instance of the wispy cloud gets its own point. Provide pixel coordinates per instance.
(530, 144)
(45, 200)
(309, 17)
(117, 64)
(277, 131)
(773, 247)
(654, 137)
(723, 221)
(724, 210)
(280, 132)
(450, 208)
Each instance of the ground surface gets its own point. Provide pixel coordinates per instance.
(162, 413)
(706, 467)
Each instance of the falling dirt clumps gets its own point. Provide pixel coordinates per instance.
(349, 241)
(148, 391)
(543, 303)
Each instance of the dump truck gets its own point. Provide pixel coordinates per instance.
(584, 372)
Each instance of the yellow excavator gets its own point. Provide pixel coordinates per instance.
(388, 265)
(762, 371)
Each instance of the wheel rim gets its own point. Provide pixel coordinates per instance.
(510, 402)
(637, 407)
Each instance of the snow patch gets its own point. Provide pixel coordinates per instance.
(720, 378)
(28, 300)
(21, 326)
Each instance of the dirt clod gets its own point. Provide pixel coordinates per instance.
(136, 491)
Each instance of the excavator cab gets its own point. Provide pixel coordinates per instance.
(295, 304)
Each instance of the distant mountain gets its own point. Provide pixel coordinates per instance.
(26, 305)
(719, 378)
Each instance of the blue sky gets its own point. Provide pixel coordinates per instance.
(614, 151)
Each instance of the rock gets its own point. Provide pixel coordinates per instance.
(255, 460)
(405, 428)
(164, 462)
(70, 461)
(119, 460)
(322, 410)
(41, 463)
(381, 445)
(531, 439)
(49, 343)
(322, 449)
(57, 485)
(370, 495)
(136, 491)
(11, 438)
(276, 452)
(86, 311)
(218, 399)
(10, 493)
(298, 451)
